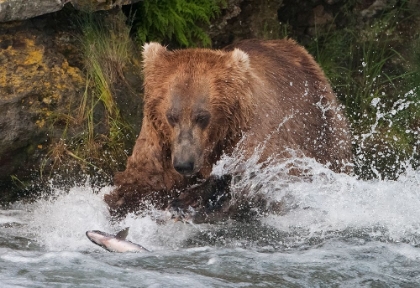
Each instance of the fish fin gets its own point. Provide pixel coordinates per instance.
(122, 234)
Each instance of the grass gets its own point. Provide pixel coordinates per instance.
(106, 44)
(95, 134)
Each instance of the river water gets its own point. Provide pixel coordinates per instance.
(335, 231)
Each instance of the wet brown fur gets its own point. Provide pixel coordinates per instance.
(274, 94)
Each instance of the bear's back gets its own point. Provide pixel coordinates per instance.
(295, 106)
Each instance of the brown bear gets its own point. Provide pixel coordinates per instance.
(201, 103)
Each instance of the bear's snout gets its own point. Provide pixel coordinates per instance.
(186, 151)
(185, 167)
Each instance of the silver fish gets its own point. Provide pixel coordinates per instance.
(114, 243)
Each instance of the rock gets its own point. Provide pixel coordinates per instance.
(318, 20)
(38, 85)
(331, 2)
(96, 5)
(242, 19)
(42, 88)
(377, 6)
(218, 27)
(320, 17)
(24, 9)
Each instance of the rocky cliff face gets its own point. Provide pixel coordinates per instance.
(11, 10)
(244, 19)
(37, 83)
(43, 81)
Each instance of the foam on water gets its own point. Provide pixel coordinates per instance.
(323, 202)
(59, 222)
(385, 207)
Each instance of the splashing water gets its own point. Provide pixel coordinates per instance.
(381, 152)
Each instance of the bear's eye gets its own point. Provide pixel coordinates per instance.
(202, 120)
(172, 119)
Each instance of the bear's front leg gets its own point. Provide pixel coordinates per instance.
(201, 200)
(133, 199)
(148, 178)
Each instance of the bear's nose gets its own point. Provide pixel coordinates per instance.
(184, 167)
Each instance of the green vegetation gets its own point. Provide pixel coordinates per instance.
(106, 46)
(104, 134)
(378, 80)
(175, 21)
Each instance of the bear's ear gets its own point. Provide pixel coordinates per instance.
(240, 58)
(151, 51)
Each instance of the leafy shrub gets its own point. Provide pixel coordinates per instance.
(175, 20)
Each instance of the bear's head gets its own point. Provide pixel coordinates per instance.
(198, 101)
